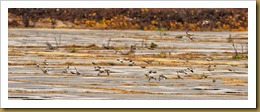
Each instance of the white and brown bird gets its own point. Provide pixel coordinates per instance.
(162, 77)
(182, 71)
(143, 66)
(120, 60)
(105, 72)
(191, 70)
(45, 62)
(152, 71)
(229, 69)
(190, 36)
(48, 46)
(150, 77)
(179, 77)
(93, 63)
(77, 72)
(131, 63)
(214, 80)
(148, 61)
(210, 68)
(208, 59)
(36, 64)
(97, 68)
(203, 76)
(67, 70)
(45, 70)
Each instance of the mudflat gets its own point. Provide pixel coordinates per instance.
(203, 68)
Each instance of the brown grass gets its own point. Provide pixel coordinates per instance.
(16, 35)
(178, 84)
(129, 84)
(15, 54)
(152, 84)
(231, 80)
(237, 85)
(207, 85)
(85, 47)
(19, 64)
(121, 91)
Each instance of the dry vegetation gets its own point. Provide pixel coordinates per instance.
(143, 18)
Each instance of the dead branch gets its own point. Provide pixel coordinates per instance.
(107, 46)
(60, 40)
(143, 43)
(235, 48)
(242, 51)
(56, 41)
(108, 42)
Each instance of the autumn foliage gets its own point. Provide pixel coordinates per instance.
(172, 19)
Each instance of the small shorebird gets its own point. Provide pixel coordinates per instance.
(105, 72)
(148, 61)
(208, 59)
(210, 68)
(93, 63)
(203, 76)
(74, 72)
(37, 65)
(131, 63)
(229, 69)
(48, 46)
(181, 71)
(45, 70)
(66, 70)
(150, 77)
(190, 69)
(162, 77)
(152, 71)
(214, 80)
(119, 60)
(142, 66)
(45, 62)
(97, 68)
(180, 77)
(189, 35)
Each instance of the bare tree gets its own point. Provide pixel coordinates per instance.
(107, 46)
(143, 43)
(60, 40)
(235, 48)
(56, 41)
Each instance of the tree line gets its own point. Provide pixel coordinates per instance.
(219, 19)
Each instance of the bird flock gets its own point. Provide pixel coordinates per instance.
(150, 75)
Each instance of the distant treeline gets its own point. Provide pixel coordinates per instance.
(178, 19)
